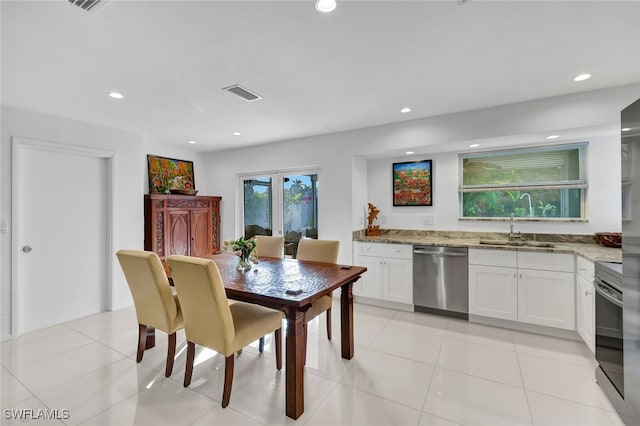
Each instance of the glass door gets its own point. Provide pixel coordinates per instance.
(300, 209)
(281, 203)
(257, 206)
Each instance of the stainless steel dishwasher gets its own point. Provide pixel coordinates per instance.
(440, 281)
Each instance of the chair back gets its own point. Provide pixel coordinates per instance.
(205, 307)
(325, 251)
(270, 246)
(149, 286)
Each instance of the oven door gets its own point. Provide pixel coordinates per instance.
(609, 338)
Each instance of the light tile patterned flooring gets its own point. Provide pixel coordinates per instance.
(410, 369)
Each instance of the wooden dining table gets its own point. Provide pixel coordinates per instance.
(266, 284)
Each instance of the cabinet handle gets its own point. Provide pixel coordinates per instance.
(586, 293)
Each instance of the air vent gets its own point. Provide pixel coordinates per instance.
(84, 4)
(240, 91)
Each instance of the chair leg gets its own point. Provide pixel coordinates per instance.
(142, 341)
(329, 323)
(228, 380)
(171, 353)
(188, 371)
(278, 337)
(261, 345)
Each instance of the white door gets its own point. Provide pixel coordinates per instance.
(62, 245)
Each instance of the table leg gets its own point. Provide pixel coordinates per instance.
(151, 337)
(346, 320)
(295, 364)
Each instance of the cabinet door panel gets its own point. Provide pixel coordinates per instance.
(585, 312)
(371, 281)
(493, 292)
(200, 232)
(178, 232)
(546, 298)
(398, 283)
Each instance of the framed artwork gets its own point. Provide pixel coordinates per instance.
(166, 174)
(412, 182)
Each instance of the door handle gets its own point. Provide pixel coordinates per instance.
(27, 249)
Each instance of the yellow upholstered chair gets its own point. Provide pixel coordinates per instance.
(270, 246)
(210, 321)
(156, 306)
(325, 251)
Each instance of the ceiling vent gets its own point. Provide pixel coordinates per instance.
(85, 4)
(240, 91)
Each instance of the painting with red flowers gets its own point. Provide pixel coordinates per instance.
(412, 183)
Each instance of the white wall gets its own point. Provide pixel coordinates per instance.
(340, 157)
(131, 183)
(604, 190)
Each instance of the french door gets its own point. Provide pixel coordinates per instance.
(281, 204)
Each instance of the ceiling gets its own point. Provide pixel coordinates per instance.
(317, 73)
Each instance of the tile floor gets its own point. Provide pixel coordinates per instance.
(410, 369)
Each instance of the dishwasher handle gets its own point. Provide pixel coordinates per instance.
(439, 253)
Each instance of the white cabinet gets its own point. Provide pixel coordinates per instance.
(525, 286)
(493, 292)
(389, 273)
(585, 300)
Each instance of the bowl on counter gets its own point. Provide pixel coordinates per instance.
(184, 191)
(610, 239)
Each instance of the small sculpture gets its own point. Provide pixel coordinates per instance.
(372, 230)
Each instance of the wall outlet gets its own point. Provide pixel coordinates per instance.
(427, 220)
(3, 226)
(383, 219)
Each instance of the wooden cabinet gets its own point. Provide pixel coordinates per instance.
(585, 302)
(181, 224)
(525, 286)
(389, 275)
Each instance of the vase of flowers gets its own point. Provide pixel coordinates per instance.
(243, 249)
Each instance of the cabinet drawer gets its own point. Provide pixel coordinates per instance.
(560, 262)
(490, 257)
(400, 251)
(585, 268)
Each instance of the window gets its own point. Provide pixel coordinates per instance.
(541, 182)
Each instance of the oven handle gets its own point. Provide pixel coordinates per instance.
(602, 291)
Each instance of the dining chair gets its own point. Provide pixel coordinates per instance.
(156, 305)
(319, 251)
(211, 321)
(268, 246)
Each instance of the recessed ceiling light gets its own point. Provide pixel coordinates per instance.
(409, 152)
(325, 6)
(474, 145)
(236, 133)
(405, 110)
(582, 77)
(553, 136)
(626, 129)
(116, 95)
(192, 142)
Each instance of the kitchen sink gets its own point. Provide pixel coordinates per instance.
(517, 243)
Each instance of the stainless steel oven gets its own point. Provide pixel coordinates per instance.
(609, 330)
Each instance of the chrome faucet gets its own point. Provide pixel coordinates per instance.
(530, 207)
(511, 222)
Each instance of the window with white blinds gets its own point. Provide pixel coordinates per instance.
(541, 182)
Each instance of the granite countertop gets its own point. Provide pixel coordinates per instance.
(581, 245)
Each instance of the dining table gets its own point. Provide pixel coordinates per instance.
(292, 286)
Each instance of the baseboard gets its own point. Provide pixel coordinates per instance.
(529, 328)
(383, 303)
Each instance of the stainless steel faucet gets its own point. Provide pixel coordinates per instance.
(511, 222)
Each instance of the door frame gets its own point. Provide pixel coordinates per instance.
(19, 145)
(276, 194)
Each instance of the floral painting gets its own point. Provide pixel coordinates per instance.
(169, 173)
(412, 183)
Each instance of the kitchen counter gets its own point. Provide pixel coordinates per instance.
(580, 245)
